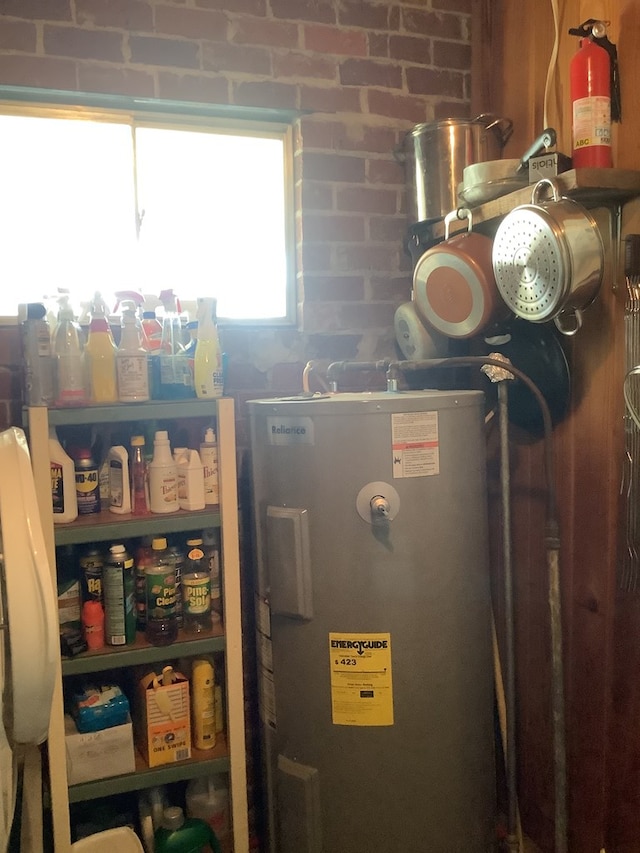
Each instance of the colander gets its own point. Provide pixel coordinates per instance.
(548, 259)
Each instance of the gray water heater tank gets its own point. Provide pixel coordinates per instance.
(374, 622)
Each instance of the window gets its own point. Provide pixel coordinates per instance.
(115, 200)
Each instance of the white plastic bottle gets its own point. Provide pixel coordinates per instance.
(207, 362)
(119, 482)
(209, 457)
(63, 482)
(190, 481)
(132, 368)
(207, 798)
(163, 476)
(68, 358)
(36, 352)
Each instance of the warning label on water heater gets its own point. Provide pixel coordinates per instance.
(361, 689)
(415, 444)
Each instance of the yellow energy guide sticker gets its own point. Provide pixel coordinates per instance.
(361, 689)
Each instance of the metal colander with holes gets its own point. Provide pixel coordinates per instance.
(548, 259)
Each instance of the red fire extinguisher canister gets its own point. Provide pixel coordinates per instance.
(595, 96)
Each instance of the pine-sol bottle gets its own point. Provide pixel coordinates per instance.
(160, 583)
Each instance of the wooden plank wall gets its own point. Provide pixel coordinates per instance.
(513, 41)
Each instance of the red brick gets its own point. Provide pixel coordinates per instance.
(448, 54)
(301, 65)
(385, 172)
(431, 81)
(387, 229)
(366, 200)
(17, 35)
(396, 106)
(433, 24)
(333, 347)
(367, 72)
(240, 7)
(264, 33)
(331, 40)
(83, 44)
(318, 228)
(372, 315)
(315, 257)
(464, 6)
(44, 72)
(10, 348)
(323, 11)
(396, 289)
(116, 81)
(271, 94)
(193, 87)
(191, 23)
(222, 56)
(165, 52)
(320, 316)
(329, 99)
(366, 258)
(314, 195)
(40, 10)
(333, 167)
(378, 44)
(10, 383)
(131, 15)
(361, 13)
(333, 288)
(410, 49)
(450, 109)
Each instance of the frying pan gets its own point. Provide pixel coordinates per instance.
(454, 287)
(537, 351)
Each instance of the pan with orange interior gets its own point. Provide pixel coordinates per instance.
(454, 288)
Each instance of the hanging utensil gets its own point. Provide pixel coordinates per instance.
(453, 283)
(548, 259)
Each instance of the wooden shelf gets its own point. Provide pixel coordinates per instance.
(142, 652)
(108, 525)
(201, 763)
(162, 410)
(591, 187)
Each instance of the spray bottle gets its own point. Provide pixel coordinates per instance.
(175, 381)
(68, 358)
(131, 362)
(36, 351)
(595, 95)
(101, 355)
(207, 363)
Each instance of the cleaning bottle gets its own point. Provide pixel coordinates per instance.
(203, 705)
(207, 362)
(190, 481)
(138, 476)
(63, 482)
(36, 353)
(118, 583)
(207, 798)
(131, 362)
(176, 379)
(119, 486)
(101, 355)
(160, 586)
(209, 458)
(68, 358)
(196, 589)
(163, 476)
(177, 835)
(152, 328)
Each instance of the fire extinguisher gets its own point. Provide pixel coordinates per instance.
(595, 96)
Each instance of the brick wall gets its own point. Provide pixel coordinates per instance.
(359, 72)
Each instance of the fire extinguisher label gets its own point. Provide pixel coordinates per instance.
(361, 684)
(591, 121)
(415, 444)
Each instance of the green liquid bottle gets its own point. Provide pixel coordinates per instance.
(180, 835)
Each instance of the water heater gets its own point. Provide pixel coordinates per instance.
(374, 622)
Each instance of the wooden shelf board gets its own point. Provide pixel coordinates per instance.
(122, 412)
(107, 525)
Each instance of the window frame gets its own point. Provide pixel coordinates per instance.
(181, 115)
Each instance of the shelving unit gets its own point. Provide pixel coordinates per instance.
(229, 754)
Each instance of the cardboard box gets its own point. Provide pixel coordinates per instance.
(163, 719)
(97, 755)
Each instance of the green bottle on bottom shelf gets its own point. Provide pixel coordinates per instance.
(184, 835)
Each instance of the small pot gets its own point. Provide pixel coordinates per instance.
(548, 259)
(454, 288)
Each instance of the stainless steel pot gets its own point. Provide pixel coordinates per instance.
(435, 156)
(548, 259)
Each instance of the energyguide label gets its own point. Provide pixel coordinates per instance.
(361, 684)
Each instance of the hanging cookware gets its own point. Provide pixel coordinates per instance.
(548, 259)
(454, 288)
(435, 155)
(414, 339)
(483, 182)
(535, 350)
